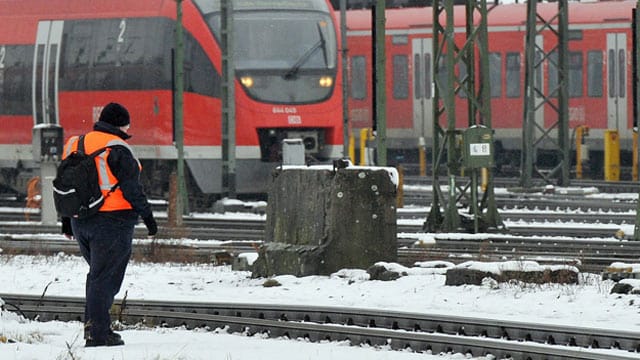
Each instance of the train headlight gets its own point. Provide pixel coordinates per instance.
(325, 81)
(247, 81)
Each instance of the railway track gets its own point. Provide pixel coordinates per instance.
(590, 254)
(214, 239)
(611, 187)
(424, 197)
(587, 255)
(536, 226)
(418, 332)
(417, 191)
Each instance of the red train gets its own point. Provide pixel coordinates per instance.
(600, 71)
(62, 60)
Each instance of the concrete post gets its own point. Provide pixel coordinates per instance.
(321, 220)
(48, 214)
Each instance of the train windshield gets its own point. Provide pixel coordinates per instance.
(281, 40)
(282, 55)
(284, 41)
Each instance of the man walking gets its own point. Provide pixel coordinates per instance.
(105, 238)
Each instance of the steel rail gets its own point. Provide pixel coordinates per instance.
(399, 330)
(513, 182)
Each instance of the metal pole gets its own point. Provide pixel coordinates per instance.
(475, 84)
(345, 89)
(636, 85)
(488, 207)
(528, 127)
(636, 100)
(182, 202)
(555, 99)
(563, 97)
(380, 81)
(435, 219)
(451, 219)
(228, 101)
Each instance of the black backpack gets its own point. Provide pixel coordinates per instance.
(76, 189)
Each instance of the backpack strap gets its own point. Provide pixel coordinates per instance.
(80, 148)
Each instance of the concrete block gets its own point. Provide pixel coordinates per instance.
(348, 216)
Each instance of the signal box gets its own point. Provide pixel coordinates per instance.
(478, 147)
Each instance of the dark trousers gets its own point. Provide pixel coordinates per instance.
(105, 243)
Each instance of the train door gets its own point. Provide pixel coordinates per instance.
(46, 67)
(616, 85)
(422, 87)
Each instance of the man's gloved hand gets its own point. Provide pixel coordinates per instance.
(66, 228)
(151, 225)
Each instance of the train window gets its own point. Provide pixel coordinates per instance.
(417, 66)
(538, 73)
(575, 74)
(199, 74)
(157, 54)
(76, 52)
(400, 77)
(79, 42)
(553, 74)
(427, 76)
(594, 73)
(574, 35)
(442, 74)
(399, 40)
(3, 54)
(621, 78)
(131, 50)
(39, 64)
(51, 74)
(358, 77)
(105, 41)
(495, 67)
(513, 75)
(422, 84)
(612, 73)
(104, 73)
(130, 54)
(462, 77)
(119, 53)
(310, 42)
(15, 83)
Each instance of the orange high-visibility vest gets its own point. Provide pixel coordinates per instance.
(93, 141)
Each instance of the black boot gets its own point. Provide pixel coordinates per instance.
(87, 333)
(113, 339)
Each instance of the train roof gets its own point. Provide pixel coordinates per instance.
(19, 16)
(209, 6)
(83, 8)
(499, 15)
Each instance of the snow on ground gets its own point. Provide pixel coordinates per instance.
(587, 304)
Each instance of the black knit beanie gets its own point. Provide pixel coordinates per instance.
(115, 114)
